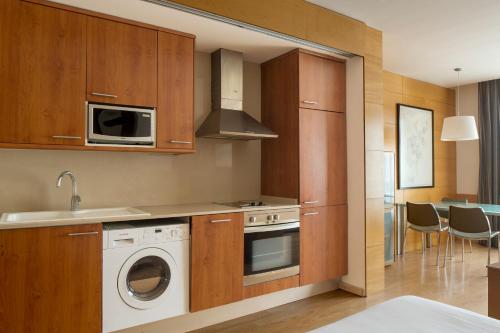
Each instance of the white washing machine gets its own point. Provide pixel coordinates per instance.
(145, 273)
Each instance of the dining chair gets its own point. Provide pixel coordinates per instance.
(444, 215)
(471, 224)
(424, 218)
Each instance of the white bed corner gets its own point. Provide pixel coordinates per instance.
(412, 314)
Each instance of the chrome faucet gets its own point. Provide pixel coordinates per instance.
(75, 198)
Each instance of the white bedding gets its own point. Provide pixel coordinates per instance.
(412, 314)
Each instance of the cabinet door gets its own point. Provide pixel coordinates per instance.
(321, 83)
(121, 63)
(175, 116)
(51, 279)
(42, 99)
(323, 243)
(216, 260)
(323, 158)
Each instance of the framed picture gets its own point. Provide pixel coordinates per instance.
(415, 144)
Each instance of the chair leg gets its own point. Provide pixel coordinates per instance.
(404, 240)
(439, 247)
(463, 243)
(498, 246)
(470, 245)
(422, 238)
(489, 251)
(446, 250)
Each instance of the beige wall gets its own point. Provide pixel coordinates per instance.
(468, 151)
(220, 170)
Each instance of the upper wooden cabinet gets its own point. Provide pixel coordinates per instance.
(51, 279)
(175, 114)
(323, 243)
(322, 158)
(42, 75)
(216, 260)
(121, 63)
(322, 84)
(54, 58)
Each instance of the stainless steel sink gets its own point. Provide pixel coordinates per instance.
(84, 214)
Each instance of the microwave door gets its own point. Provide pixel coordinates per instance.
(109, 124)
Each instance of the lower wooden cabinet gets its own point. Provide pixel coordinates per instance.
(50, 279)
(216, 260)
(323, 243)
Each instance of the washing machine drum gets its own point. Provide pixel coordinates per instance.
(146, 278)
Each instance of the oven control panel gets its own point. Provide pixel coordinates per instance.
(271, 216)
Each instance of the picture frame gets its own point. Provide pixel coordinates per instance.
(415, 147)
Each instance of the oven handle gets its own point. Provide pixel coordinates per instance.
(284, 226)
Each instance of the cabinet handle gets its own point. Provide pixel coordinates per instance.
(310, 202)
(310, 102)
(311, 213)
(90, 233)
(218, 221)
(70, 137)
(103, 95)
(181, 142)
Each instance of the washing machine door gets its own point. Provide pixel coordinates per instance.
(146, 278)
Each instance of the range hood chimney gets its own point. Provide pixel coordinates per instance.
(227, 120)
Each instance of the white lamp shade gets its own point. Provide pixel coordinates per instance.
(459, 128)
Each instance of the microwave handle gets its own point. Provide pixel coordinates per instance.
(275, 227)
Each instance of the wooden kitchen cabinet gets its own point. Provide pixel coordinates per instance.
(175, 113)
(322, 158)
(308, 160)
(323, 243)
(216, 260)
(51, 279)
(322, 82)
(42, 74)
(121, 63)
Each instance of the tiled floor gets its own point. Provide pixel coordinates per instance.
(462, 284)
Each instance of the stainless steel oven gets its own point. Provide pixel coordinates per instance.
(272, 245)
(121, 125)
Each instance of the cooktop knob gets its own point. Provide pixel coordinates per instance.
(252, 219)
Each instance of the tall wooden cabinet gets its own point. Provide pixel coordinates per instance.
(51, 279)
(303, 101)
(216, 260)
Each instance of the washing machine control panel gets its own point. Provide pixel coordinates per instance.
(164, 233)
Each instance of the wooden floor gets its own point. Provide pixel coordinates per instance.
(460, 284)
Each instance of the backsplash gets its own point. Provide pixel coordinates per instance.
(220, 170)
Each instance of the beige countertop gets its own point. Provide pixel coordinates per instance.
(155, 212)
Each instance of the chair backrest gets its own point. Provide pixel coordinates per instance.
(470, 220)
(464, 200)
(422, 214)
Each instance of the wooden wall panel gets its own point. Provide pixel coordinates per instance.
(374, 161)
(297, 18)
(400, 89)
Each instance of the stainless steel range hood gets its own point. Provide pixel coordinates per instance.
(227, 119)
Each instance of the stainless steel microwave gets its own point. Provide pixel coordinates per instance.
(121, 125)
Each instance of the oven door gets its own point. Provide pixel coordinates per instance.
(271, 252)
(121, 125)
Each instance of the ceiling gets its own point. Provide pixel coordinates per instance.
(210, 34)
(426, 39)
